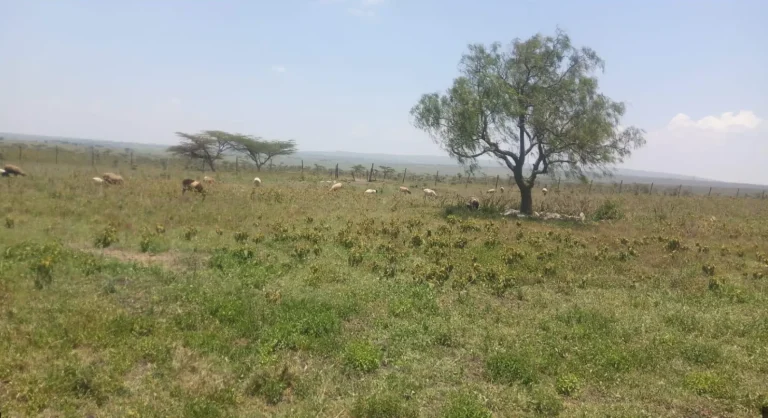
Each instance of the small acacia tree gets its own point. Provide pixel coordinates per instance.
(537, 104)
(206, 145)
(261, 151)
(358, 169)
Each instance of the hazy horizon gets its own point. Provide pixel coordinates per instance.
(694, 82)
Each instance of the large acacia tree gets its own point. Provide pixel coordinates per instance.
(208, 146)
(535, 106)
(261, 151)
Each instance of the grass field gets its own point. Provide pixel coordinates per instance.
(289, 300)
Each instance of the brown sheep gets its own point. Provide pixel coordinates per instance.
(112, 178)
(12, 169)
(193, 185)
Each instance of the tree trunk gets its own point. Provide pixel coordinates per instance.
(526, 200)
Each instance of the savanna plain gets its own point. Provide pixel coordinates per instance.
(290, 300)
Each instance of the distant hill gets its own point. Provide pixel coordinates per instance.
(414, 163)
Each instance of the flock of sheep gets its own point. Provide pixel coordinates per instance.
(197, 186)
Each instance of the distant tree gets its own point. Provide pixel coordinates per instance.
(535, 107)
(261, 151)
(207, 146)
(386, 170)
(358, 169)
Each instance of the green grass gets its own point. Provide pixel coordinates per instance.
(289, 300)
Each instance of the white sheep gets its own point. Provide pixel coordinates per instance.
(501, 189)
(404, 189)
(544, 191)
(491, 191)
(98, 180)
(2, 172)
(474, 203)
(429, 192)
(256, 182)
(335, 187)
(208, 180)
(371, 191)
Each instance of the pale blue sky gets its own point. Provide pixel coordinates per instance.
(343, 74)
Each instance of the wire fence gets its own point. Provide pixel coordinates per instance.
(101, 158)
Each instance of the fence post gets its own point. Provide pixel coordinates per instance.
(620, 186)
(404, 171)
(337, 171)
(763, 195)
(737, 192)
(302, 169)
(497, 182)
(237, 165)
(679, 188)
(93, 163)
(19, 153)
(558, 184)
(436, 175)
(590, 186)
(710, 191)
(370, 173)
(651, 189)
(57, 154)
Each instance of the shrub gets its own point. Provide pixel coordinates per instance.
(106, 237)
(608, 210)
(362, 356)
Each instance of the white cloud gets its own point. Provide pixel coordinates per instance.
(728, 147)
(278, 69)
(744, 119)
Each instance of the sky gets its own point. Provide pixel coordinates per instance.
(343, 74)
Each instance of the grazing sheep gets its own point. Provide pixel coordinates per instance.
(12, 169)
(98, 180)
(336, 186)
(256, 182)
(491, 191)
(544, 191)
(429, 192)
(193, 185)
(474, 203)
(371, 191)
(208, 180)
(404, 189)
(2, 172)
(112, 178)
(501, 189)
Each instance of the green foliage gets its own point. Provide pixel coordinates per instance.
(382, 406)
(545, 402)
(546, 89)
(609, 210)
(106, 237)
(509, 368)
(567, 384)
(270, 386)
(362, 356)
(465, 405)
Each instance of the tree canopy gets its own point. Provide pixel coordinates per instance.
(206, 145)
(535, 106)
(261, 151)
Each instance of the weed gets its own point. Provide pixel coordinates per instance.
(106, 237)
(509, 368)
(465, 405)
(362, 356)
(382, 406)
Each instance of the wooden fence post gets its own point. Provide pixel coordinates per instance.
(497, 182)
(302, 169)
(679, 189)
(737, 192)
(620, 186)
(436, 175)
(337, 171)
(19, 153)
(710, 191)
(404, 171)
(370, 173)
(237, 165)
(651, 189)
(590, 186)
(558, 184)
